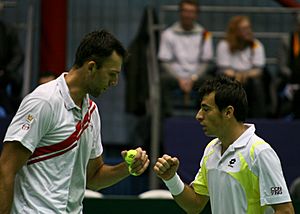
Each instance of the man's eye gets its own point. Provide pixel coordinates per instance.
(113, 75)
(204, 108)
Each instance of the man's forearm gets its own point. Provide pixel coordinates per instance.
(107, 176)
(201, 70)
(284, 208)
(166, 66)
(6, 193)
(190, 201)
(254, 72)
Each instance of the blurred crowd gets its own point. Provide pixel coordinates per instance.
(187, 58)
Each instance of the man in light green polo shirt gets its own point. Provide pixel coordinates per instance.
(239, 172)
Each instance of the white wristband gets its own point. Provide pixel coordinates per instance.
(175, 185)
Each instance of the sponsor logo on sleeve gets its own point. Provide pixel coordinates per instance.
(29, 118)
(26, 126)
(276, 190)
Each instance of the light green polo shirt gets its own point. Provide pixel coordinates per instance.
(245, 179)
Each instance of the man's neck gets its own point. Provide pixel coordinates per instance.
(231, 134)
(187, 27)
(75, 86)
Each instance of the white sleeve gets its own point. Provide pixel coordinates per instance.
(259, 58)
(207, 51)
(272, 185)
(31, 122)
(97, 140)
(223, 54)
(165, 48)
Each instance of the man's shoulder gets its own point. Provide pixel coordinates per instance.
(212, 144)
(44, 92)
(176, 28)
(169, 30)
(257, 145)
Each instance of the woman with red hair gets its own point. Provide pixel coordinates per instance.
(242, 57)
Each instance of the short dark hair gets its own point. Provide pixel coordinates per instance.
(97, 46)
(192, 2)
(227, 92)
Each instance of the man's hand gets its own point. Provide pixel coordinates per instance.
(241, 77)
(140, 162)
(166, 167)
(186, 85)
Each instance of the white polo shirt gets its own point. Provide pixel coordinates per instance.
(62, 138)
(185, 50)
(241, 60)
(245, 179)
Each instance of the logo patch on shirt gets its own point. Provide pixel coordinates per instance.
(276, 190)
(232, 162)
(29, 118)
(26, 126)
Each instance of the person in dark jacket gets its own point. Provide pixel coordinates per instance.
(11, 57)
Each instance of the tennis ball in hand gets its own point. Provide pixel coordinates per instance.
(130, 156)
(129, 160)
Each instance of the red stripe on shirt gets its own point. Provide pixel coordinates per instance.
(80, 127)
(51, 156)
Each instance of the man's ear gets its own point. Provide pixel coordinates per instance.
(92, 67)
(228, 111)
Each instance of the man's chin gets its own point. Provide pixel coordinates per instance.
(208, 134)
(98, 93)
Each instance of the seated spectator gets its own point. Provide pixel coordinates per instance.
(46, 76)
(184, 52)
(11, 57)
(289, 73)
(242, 57)
(295, 189)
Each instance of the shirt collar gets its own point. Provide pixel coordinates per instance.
(178, 29)
(64, 90)
(242, 140)
(245, 137)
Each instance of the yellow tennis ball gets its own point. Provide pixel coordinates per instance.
(130, 156)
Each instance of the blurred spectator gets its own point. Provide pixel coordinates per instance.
(242, 57)
(185, 50)
(11, 57)
(295, 189)
(46, 76)
(289, 72)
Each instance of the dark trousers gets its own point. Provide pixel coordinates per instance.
(172, 94)
(256, 97)
(296, 104)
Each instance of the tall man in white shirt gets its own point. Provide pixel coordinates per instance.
(52, 149)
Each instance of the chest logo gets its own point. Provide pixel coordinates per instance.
(232, 162)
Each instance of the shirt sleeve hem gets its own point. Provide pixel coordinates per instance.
(275, 200)
(96, 155)
(26, 145)
(200, 190)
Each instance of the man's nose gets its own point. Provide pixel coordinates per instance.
(199, 115)
(114, 81)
